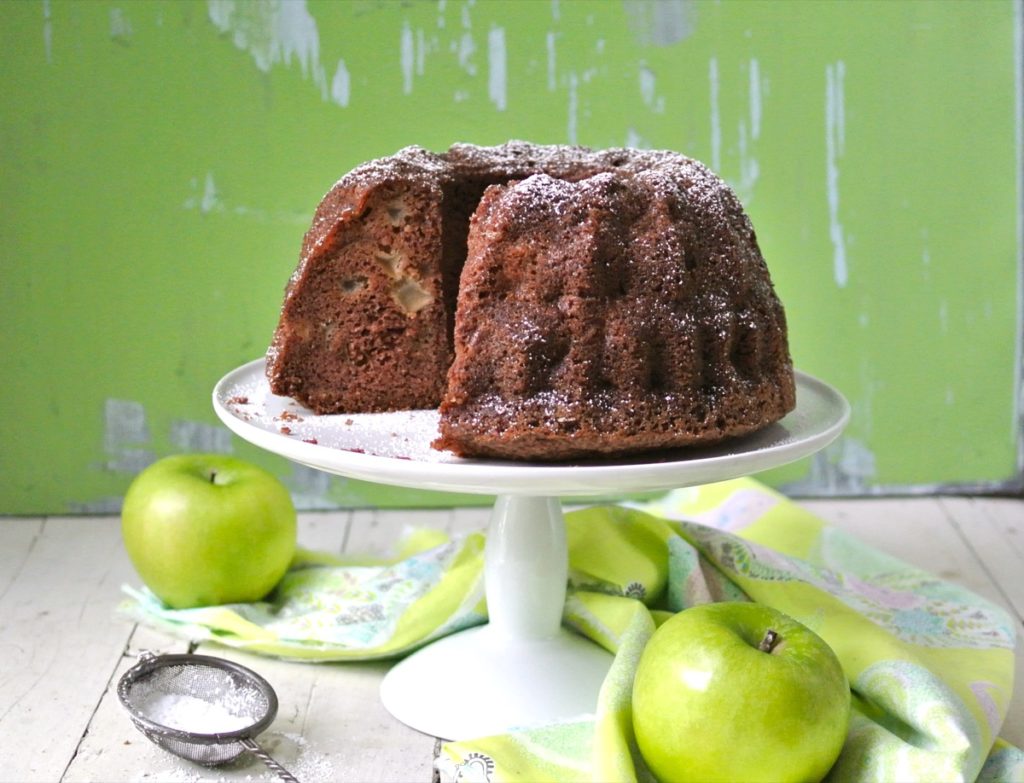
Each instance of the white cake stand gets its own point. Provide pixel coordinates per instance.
(521, 668)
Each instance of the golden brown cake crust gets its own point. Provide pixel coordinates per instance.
(613, 302)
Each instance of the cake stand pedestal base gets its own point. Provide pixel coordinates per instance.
(522, 668)
(477, 683)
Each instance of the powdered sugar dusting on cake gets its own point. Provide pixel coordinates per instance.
(537, 196)
(618, 310)
(519, 159)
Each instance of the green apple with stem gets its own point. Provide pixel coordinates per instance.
(205, 529)
(739, 692)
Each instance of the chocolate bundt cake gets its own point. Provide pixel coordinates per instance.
(557, 302)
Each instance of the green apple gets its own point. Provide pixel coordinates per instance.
(204, 529)
(739, 692)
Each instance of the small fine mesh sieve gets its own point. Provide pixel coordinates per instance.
(204, 709)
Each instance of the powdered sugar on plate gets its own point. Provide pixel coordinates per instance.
(398, 435)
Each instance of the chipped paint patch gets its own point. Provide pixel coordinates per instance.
(197, 436)
(120, 27)
(754, 73)
(48, 31)
(552, 60)
(125, 434)
(124, 422)
(573, 109)
(716, 119)
(647, 85)
(749, 167)
(749, 131)
(341, 85)
(648, 91)
(845, 467)
(835, 142)
(465, 49)
(497, 79)
(210, 200)
(407, 57)
(207, 200)
(636, 141)
(661, 22)
(273, 32)
(309, 488)
(421, 52)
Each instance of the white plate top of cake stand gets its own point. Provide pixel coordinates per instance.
(394, 448)
(521, 668)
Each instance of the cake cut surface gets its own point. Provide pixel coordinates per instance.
(557, 302)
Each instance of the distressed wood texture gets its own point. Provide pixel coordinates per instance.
(59, 637)
(63, 647)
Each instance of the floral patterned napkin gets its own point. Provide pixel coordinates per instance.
(930, 663)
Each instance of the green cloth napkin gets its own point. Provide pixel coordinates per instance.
(930, 663)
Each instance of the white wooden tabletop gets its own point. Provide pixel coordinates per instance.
(63, 647)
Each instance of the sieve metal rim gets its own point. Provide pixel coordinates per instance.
(149, 662)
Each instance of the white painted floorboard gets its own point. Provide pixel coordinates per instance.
(63, 647)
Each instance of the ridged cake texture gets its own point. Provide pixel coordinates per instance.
(560, 303)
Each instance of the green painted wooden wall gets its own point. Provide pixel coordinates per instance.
(160, 162)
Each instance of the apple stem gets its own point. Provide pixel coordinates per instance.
(771, 638)
(213, 477)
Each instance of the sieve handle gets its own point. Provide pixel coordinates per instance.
(253, 747)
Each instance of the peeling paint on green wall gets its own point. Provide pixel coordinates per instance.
(161, 161)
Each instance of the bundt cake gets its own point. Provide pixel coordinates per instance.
(556, 302)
